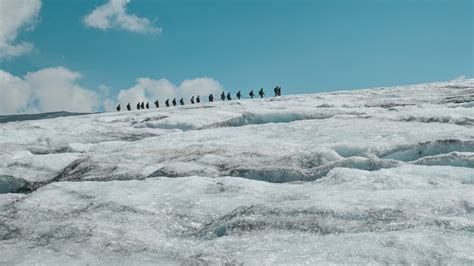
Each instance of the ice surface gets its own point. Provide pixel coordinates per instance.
(380, 176)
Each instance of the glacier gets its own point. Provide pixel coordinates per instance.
(380, 175)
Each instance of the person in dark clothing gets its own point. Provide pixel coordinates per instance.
(142, 105)
(198, 99)
(223, 96)
(228, 97)
(138, 106)
(261, 93)
(279, 91)
(167, 102)
(147, 105)
(192, 100)
(129, 107)
(174, 101)
(181, 101)
(118, 108)
(238, 95)
(211, 98)
(275, 90)
(157, 104)
(251, 94)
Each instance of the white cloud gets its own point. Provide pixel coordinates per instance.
(56, 90)
(109, 105)
(14, 94)
(49, 89)
(149, 90)
(14, 16)
(113, 14)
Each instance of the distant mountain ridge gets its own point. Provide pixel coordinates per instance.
(25, 117)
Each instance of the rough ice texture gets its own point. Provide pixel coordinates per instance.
(382, 175)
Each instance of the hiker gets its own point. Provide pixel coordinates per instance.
(174, 101)
(118, 108)
(238, 95)
(181, 101)
(211, 98)
(142, 105)
(198, 100)
(275, 90)
(223, 96)
(129, 107)
(138, 106)
(192, 100)
(228, 97)
(279, 91)
(261, 93)
(167, 102)
(147, 105)
(157, 104)
(251, 94)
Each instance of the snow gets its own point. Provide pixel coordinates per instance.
(382, 175)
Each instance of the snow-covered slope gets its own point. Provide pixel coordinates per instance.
(367, 176)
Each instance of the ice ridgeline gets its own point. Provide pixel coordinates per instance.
(367, 176)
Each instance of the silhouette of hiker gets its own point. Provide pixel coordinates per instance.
(279, 91)
(174, 101)
(147, 105)
(275, 90)
(181, 101)
(118, 108)
(211, 98)
(129, 107)
(198, 99)
(223, 96)
(157, 104)
(167, 102)
(261, 93)
(238, 95)
(228, 97)
(251, 94)
(142, 105)
(192, 100)
(138, 106)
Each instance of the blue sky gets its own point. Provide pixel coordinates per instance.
(304, 46)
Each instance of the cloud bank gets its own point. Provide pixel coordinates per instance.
(57, 89)
(113, 15)
(16, 15)
(46, 90)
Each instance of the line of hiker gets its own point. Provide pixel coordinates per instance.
(193, 100)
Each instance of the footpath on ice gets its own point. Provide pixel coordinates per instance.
(383, 175)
